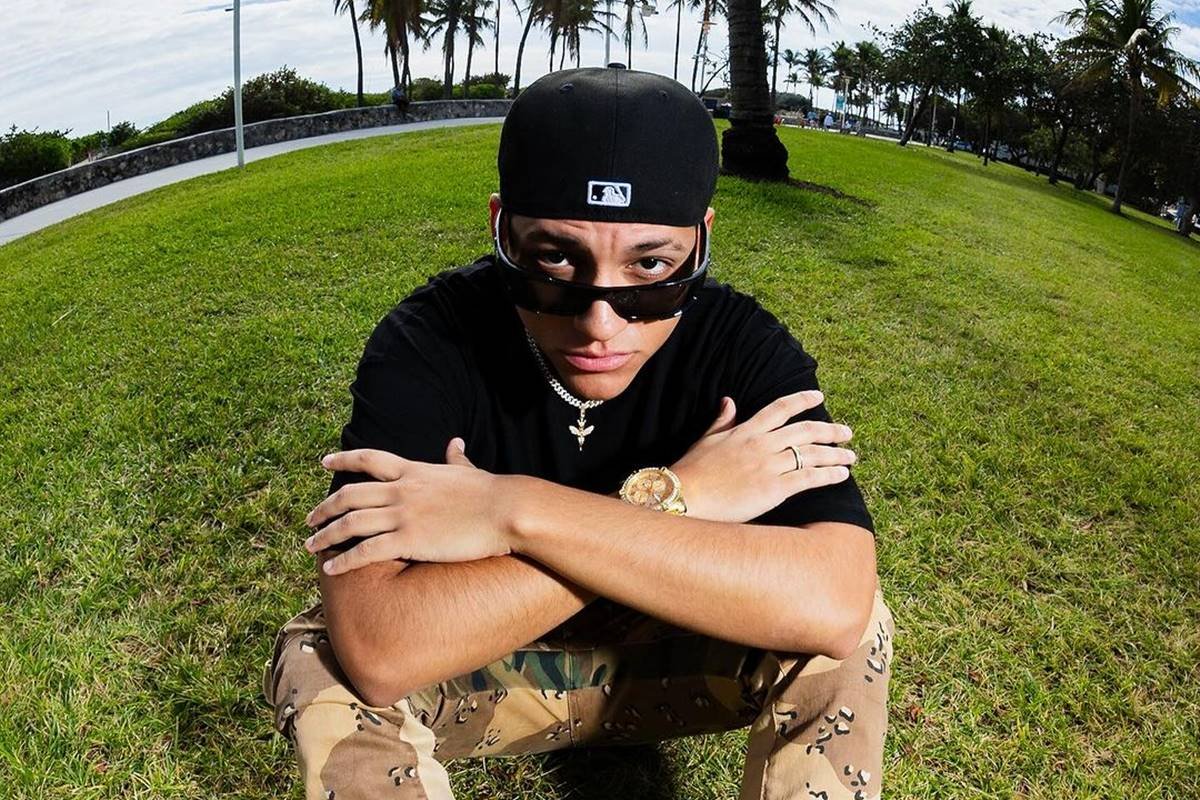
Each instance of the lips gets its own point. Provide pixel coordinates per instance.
(590, 362)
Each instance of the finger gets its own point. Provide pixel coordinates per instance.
(781, 409)
(815, 455)
(725, 417)
(377, 463)
(368, 494)
(455, 452)
(360, 522)
(811, 431)
(802, 480)
(387, 547)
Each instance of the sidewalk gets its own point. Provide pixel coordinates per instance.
(47, 215)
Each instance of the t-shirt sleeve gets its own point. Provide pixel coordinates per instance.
(406, 397)
(766, 363)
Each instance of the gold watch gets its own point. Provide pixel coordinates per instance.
(656, 488)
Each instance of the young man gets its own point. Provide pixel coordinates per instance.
(652, 531)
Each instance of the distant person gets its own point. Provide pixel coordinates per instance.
(400, 99)
(811, 118)
(828, 120)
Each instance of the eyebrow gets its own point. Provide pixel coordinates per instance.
(567, 241)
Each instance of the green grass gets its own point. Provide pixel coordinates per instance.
(1020, 367)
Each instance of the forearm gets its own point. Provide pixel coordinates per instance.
(397, 628)
(786, 588)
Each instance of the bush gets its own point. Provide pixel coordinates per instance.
(26, 154)
(495, 78)
(425, 89)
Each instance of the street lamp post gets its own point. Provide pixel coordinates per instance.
(237, 80)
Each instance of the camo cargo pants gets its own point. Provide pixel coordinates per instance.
(608, 675)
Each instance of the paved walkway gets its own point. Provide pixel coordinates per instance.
(47, 215)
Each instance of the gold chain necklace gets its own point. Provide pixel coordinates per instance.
(580, 429)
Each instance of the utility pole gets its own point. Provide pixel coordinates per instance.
(237, 80)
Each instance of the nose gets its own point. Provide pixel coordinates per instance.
(600, 322)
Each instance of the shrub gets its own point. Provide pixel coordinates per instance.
(496, 78)
(27, 154)
(425, 89)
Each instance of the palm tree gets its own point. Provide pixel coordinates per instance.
(474, 20)
(578, 18)
(628, 29)
(400, 19)
(348, 5)
(868, 58)
(791, 59)
(1129, 40)
(711, 8)
(807, 10)
(844, 69)
(750, 147)
(678, 5)
(816, 66)
(964, 34)
(538, 11)
(447, 16)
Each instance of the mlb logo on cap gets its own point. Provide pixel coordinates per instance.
(609, 193)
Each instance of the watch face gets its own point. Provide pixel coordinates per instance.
(650, 488)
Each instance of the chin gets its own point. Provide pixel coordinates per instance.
(596, 385)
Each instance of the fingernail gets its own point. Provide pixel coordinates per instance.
(326, 459)
(843, 472)
(328, 567)
(308, 543)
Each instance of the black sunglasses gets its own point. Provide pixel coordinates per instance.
(544, 294)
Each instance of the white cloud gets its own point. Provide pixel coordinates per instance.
(66, 64)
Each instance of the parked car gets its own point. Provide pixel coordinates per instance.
(717, 107)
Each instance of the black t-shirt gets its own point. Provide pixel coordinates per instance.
(451, 359)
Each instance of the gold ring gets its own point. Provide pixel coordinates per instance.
(796, 453)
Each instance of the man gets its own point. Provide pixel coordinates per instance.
(652, 531)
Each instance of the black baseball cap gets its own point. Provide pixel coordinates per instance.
(608, 144)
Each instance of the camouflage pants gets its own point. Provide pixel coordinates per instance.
(608, 675)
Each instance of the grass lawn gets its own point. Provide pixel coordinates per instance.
(1021, 369)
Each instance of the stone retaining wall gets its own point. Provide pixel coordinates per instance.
(84, 177)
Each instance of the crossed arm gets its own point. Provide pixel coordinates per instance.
(397, 627)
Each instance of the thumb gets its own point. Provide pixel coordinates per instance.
(725, 417)
(455, 452)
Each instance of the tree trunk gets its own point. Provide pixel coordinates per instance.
(916, 114)
(932, 122)
(775, 61)
(470, 52)
(954, 120)
(750, 147)
(358, 49)
(678, 29)
(1116, 204)
(987, 137)
(699, 44)
(395, 66)
(1185, 222)
(496, 69)
(521, 48)
(406, 73)
(448, 49)
(1059, 147)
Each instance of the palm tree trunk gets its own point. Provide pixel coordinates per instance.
(699, 44)
(678, 29)
(916, 114)
(406, 73)
(521, 47)
(1059, 147)
(470, 52)
(395, 66)
(750, 147)
(1133, 105)
(775, 60)
(448, 49)
(496, 69)
(358, 49)
(987, 136)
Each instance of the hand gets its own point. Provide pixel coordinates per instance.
(737, 472)
(413, 511)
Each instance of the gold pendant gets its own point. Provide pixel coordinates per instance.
(579, 430)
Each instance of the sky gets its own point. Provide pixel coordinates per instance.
(78, 67)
